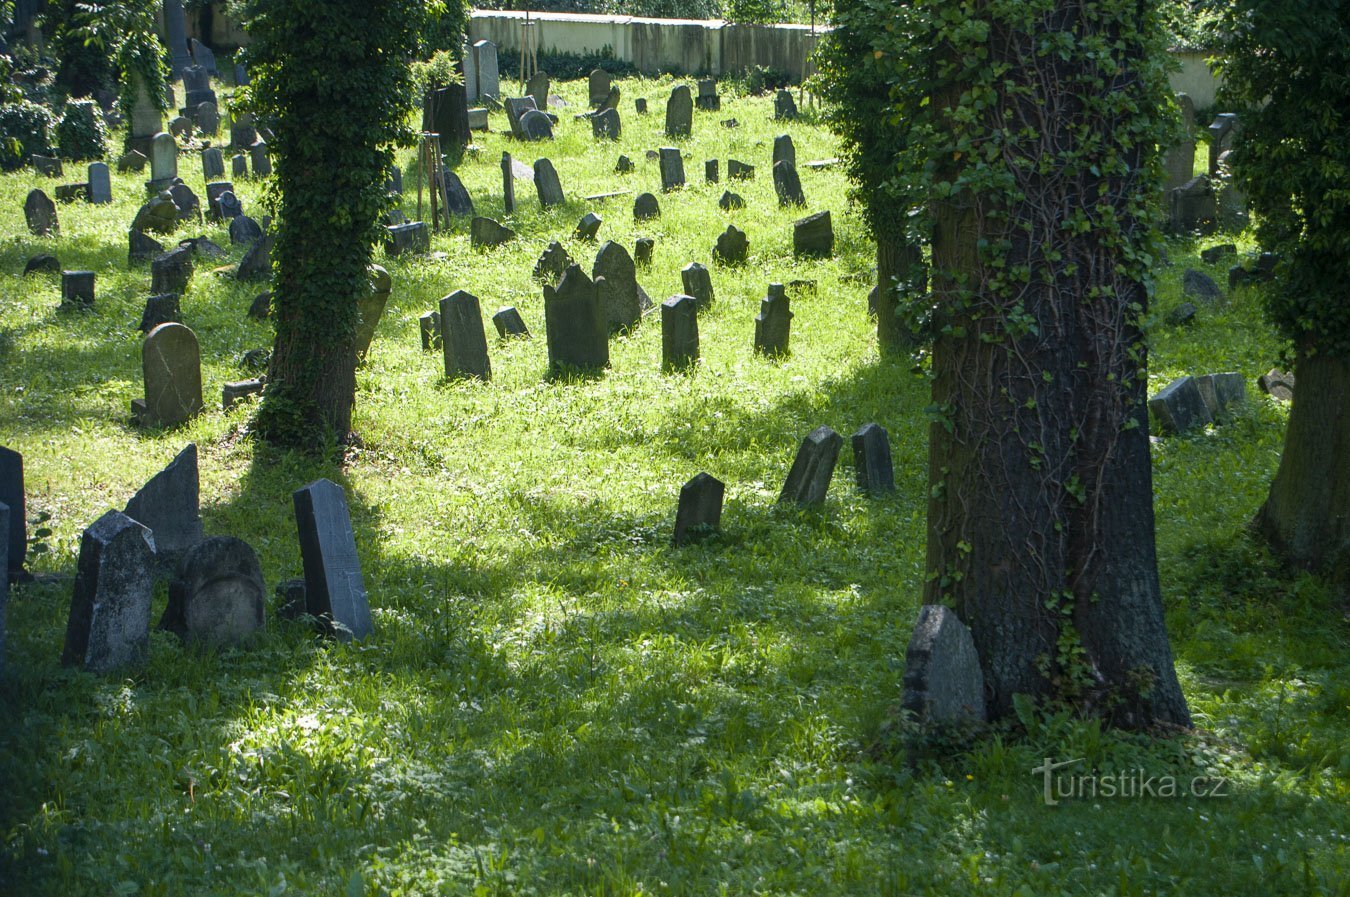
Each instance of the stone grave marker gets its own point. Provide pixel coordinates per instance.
(1193, 206)
(730, 201)
(646, 207)
(132, 161)
(1215, 254)
(429, 325)
(784, 150)
(575, 324)
(12, 494)
(236, 391)
(624, 165)
(485, 233)
(672, 169)
(261, 307)
(700, 510)
(100, 184)
(1221, 392)
(679, 333)
(163, 160)
(214, 192)
(469, 67)
(259, 160)
(640, 105)
(1201, 287)
(446, 112)
(485, 62)
(462, 340)
(413, 237)
(162, 309)
(185, 201)
(697, 283)
(334, 589)
(180, 126)
(457, 200)
(244, 231)
(239, 166)
(732, 246)
(611, 101)
(243, 133)
(537, 88)
(708, 99)
(169, 505)
(1179, 406)
(943, 682)
(171, 362)
(509, 323)
(508, 184)
(1182, 314)
(42, 263)
(872, 460)
(598, 87)
(605, 125)
(547, 185)
(553, 261)
(202, 56)
(142, 248)
(739, 171)
(773, 324)
(809, 479)
(109, 623)
(50, 166)
(77, 289)
(787, 185)
(160, 214)
(711, 173)
(40, 213)
(813, 236)
(1275, 383)
(535, 125)
(213, 164)
(616, 284)
(172, 271)
(208, 118)
(516, 107)
(680, 112)
(784, 106)
(370, 306)
(642, 251)
(1221, 133)
(588, 226)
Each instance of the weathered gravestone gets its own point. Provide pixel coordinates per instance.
(1201, 287)
(784, 106)
(463, 342)
(784, 150)
(1193, 206)
(175, 33)
(730, 201)
(142, 248)
(642, 251)
(169, 505)
(1221, 133)
(457, 199)
(711, 173)
(415, 237)
(172, 271)
(605, 125)
(943, 682)
(575, 324)
(100, 184)
(537, 88)
(700, 509)
(1275, 383)
(42, 263)
(773, 324)
(243, 134)
(261, 307)
(180, 126)
(1215, 254)
(1179, 161)
(697, 283)
(535, 125)
(787, 184)
(162, 309)
(616, 285)
(739, 171)
(553, 261)
(1179, 406)
(51, 166)
(217, 594)
(732, 246)
(872, 460)
(598, 87)
(680, 112)
(11, 493)
(132, 161)
(708, 99)
(588, 227)
(214, 193)
(208, 118)
(546, 183)
(160, 214)
(672, 169)
(334, 589)
(509, 323)
(171, 362)
(77, 289)
(238, 166)
(259, 160)
(40, 213)
(369, 307)
(623, 165)
(163, 161)
(646, 207)
(679, 333)
(640, 105)
(109, 623)
(445, 111)
(429, 326)
(202, 56)
(813, 236)
(1182, 314)
(1221, 392)
(508, 185)
(185, 201)
(809, 479)
(485, 67)
(244, 230)
(235, 391)
(516, 107)
(213, 164)
(610, 102)
(485, 233)
(197, 87)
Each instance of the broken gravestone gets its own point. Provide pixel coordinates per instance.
(169, 506)
(109, 622)
(575, 324)
(217, 594)
(943, 682)
(1179, 406)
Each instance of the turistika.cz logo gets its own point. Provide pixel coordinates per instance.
(1060, 782)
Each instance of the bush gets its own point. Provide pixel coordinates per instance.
(25, 128)
(81, 134)
(569, 66)
(438, 71)
(762, 79)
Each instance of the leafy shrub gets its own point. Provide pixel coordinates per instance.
(25, 128)
(763, 79)
(81, 134)
(755, 12)
(438, 71)
(567, 66)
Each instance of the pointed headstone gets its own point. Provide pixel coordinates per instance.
(615, 277)
(784, 106)
(334, 589)
(872, 460)
(457, 200)
(509, 323)
(700, 508)
(508, 185)
(787, 184)
(697, 283)
(809, 479)
(679, 333)
(943, 681)
(732, 246)
(109, 623)
(169, 506)
(813, 236)
(485, 233)
(462, 340)
(574, 321)
(773, 324)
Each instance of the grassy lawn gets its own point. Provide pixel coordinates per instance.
(555, 700)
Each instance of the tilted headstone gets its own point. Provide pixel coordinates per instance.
(588, 226)
(574, 321)
(334, 589)
(605, 125)
(40, 213)
(773, 324)
(787, 184)
(463, 342)
(1193, 206)
(711, 174)
(100, 184)
(1179, 407)
(872, 460)
(700, 510)
(537, 88)
(516, 107)
(457, 199)
(172, 271)
(169, 505)
(109, 623)
(142, 248)
(732, 246)
(1215, 254)
(623, 165)
(217, 594)
(610, 102)
(730, 201)
(197, 87)
(133, 161)
(546, 183)
(370, 305)
(598, 87)
(42, 263)
(485, 233)
(616, 283)
(180, 126)
(1182, 314)
(171, 362)
(259, 160)
(680, 112)
(175, 28)
(509, 323)
(244, 231)
(162, 309)
(160, 214)
(485, 63)
(943, 681)
(202, 56)
(1201, 287)
(163, 160)
(1221, 392)
(672, 169)
(679, 333)
(51, 166)
(214, 192)
(415, 237)
(12, 494)
(784, 150)
(508, 185)
(261, 307)
(809, 479)
(213, 164)
(238, 166)
(1275, 383)
(642, 251)
(77, 289)
(646, 207)
(429, 326)
(535, 125)
(697, 283)
(186, 201)
(784, 106)
(552, 262)
(813, 236)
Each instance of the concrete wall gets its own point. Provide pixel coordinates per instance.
(1195, 78)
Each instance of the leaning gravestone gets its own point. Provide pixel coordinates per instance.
(414, 237)
(169, 505)
(773, 324)
(813, 236)
(142, 248)
(197, 87)
(646, 207)
(575, 324)
(535, 125)
(171, 361)
(40, 213)
(784, 106)
(257, 261)
(623, 165)
(214, 192)
(739, 171)
(429, 325)
(185, 201)
(730, 201)
(537, 88)
(370, 305)
(711, 174)
(508, 185)
(680, 112)
(872, 460)
(642, 251)
(217, 594)
(509, 323)
(109, 622)
(598, 87)
(1201, 287)
(159, 214)
(334, 589)
(1275, 383)
(1221, 391)
(679, 333)
(485, 233)
(809, 479)
(485, 67)
(732, 246)
(616, 284)
(516, 107)
(11, 493)
(672, 169)
(100, 184)
(787, 184)
(546, 183)
(943, 682)
(588, 227)
(213, 164)
(700, 508)
(708, 99)
(457, 199)
(244, 230)
(229, 205)
(697, 283)
(784, 150)
(462, 339)
(1179, 406)
(610, 102)
(172, 271)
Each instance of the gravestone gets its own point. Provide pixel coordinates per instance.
(145, 123)
(1275, 383)
(370, 305)
(700, 510)
(610, 102)
(241, 77)
(588, 226)
(213, 164)
(732, 246)
(509, 323)
(1193, 206)
(243, 133)
(169, 506)
(1215, 254)
(679, 333)
(204, 248)
(485, 233)
(50, 166)
(508, 184)
(1221, 392)
(1221, 133)
(172, 271)
(202, 56)
(646, 207)
(445, 111)
(872, 460)
(623, 165)
(393, 185)
(739, 171)
(463, 342)
(12, 494)
(485, 64)
(575, 324)
(217, 595)
(259, 160)
(784, 106)
(788, 185)
(163, 309)
(784, 150)
(77, 289)
(672, 169)
(159, 214)
(100, 184)
(133, 161)
(163, 160)
(605, 125)
(457, 200)
(1182, 314)
(642, 251)
(553, 261)
(180, 126)
(547, 185)
(208, 118)
(809, 479)
(707, 95)
(616, 285)
(469, 67)
(214, 192)
(773, 324)
(40, 213)
(537, 88)
(429, 326)
(197, 87)
(730, 201)
(142, 248)
(260, 309)
(711, 174)
(813, 236)
(1179, 407)
(1179, 161)
(171, 364)
(238, 166)
(175, 28)
(943, 682)
(415, 237)
(697, 283)
(535, 125)
(516, 107)
(72, 192)
(109, 622)
(244, 231)
(640, 105)
(334, 589)
(680, 112)
(42, 263)
(598, 87)
(1201, 287)
(187, 203)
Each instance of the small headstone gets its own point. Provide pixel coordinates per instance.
(546, 183)
(535, 125)
(646, 207)
(214, 191)
(809, 479)
(202, 56)
(537, 88)
(485, 233)
(169, 506)
(1193, 206)
(462, 340)
(642, 251)
(259, 159)
(872, 460)
(508, 185)
(606, 125)
(260, 309)
(1221, 392)
(109, 622)
(679, 333)
(241, 77)
(616, 285)
(553, 261)
(415, 237)
(732, 246)
(239, 166)
(623, 166)
(739, 171)
(773, 324)
(142, 248)
(708, 99)
(77, 289)
(100, 184)
(813, 236)
(516, 107)
(943, 682)
(784, 150)
(611, 101)
(1182, 314)
(244, 231)
(1201, 287)
(162, 309)
(700, 508)
(160, 215)
(598, 87)
(457, 200)
(697, 283)
(784, 106)
(208, 118)
(72, 192)
(429, 326)
(478, 119)
(12, 494)
(672, 169)
(787, 184)
(47, 165)
(243, 134)
(172, 368)
(187, 203)
(574, 322)
(180, 126)
(370, 305)
(588, 226)
(509, 323)
(42, 263)
(730, 201)
(485, 64)
(680, 112)
(711, 173)
(163, 159)
(213, 164)
(1275, 383)
(172, 271)
(132, 161)
(1179, 407)
(40, 212)
(1215, 254)
(640, 105)
(334, 589)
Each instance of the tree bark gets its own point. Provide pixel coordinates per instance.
(897, 260)
(1306, 516)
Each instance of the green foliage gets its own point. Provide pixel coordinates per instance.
(762, 79)
(25, 128)
(438, 71)
(1285, 67)
(81, 134)
(569, 66)
(126, 31)
(445, 28)
(755, 12)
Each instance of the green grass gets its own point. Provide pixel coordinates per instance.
(555, 700)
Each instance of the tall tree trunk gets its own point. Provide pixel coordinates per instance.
(897, 262)
(1307, 514)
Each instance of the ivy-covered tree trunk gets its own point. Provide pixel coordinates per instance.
(1040, 518)
(897, 259)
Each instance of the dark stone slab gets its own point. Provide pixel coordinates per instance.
(509, 323)
(228, 206)
(537, 88)
(172, 271)
(642, 251)
(732, 246)
(429, 327)
(1182, 314)
(72, 192)
(445, 111)
(77, 289)
(40, 213)
(680, 112)
(12, 494)
(1179, 407)
(646, 207)
(697, 283)
(413, 237)
(49, 166)
(186, 201)
(773, 324)
(809, 479)
(535, 125)
(160, 309)
(598, 85)
(813, 236)
(1193, 206)
(257, 261)
(171, 361)
(788, 185)
(239, 166)
(672, 169)
(485, 233)
(707, 99)
(457, 199)
(370, 307)
(235, 391)
(142, 248)
(169, 506)
(244, 231)
(679, 333)
(731, 201)
(606, 125)
(616, 283)
(623, 166)
(1201, 288)
(131, 162)
(552, 262)
(217, 595)
(100, 184)
(784, 106)
(109, 623)
(42, 263)
(575, 324)
(739, 171)
(160, 215)
(872, 460)
(943, 683)
(700, 510)
(784, 150)
(214, 191)
(463, 342)
(1275, 383)
(516, 107)
(640, 105)
(334, 589)
(547, 184)
(588, 226)
(1221, 392)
